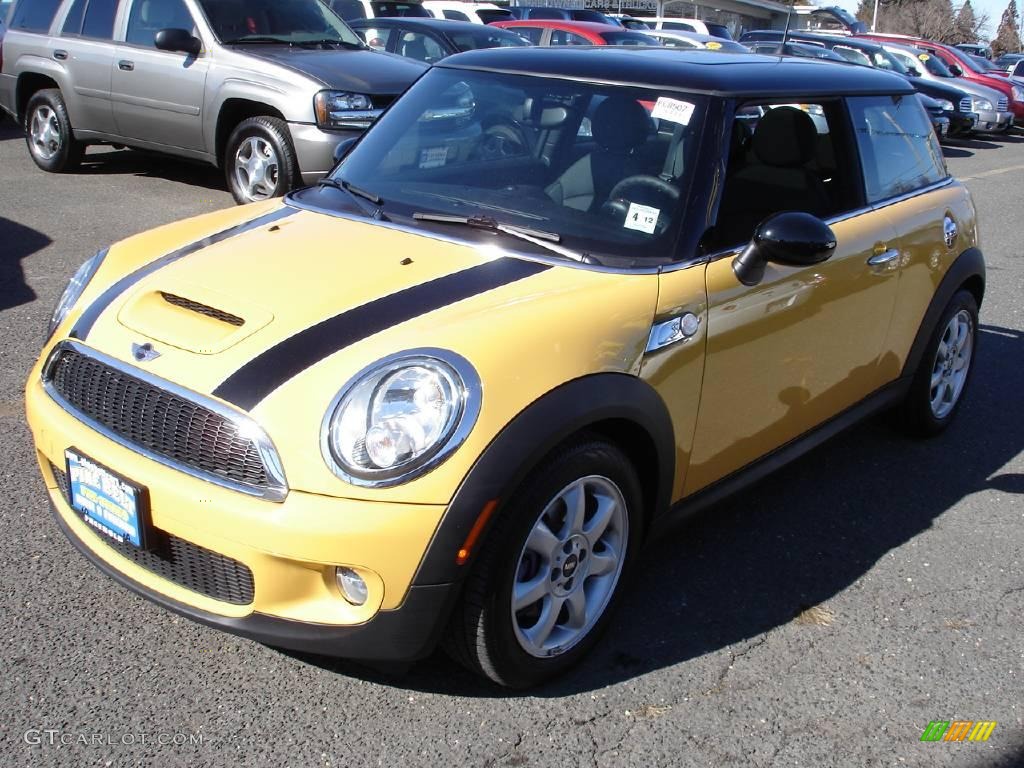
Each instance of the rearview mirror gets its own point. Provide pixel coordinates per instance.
(178, 40)
(956, 71)
(791, 238)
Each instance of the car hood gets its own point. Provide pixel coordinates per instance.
(938, 90)
(272, 308)
(362, 71)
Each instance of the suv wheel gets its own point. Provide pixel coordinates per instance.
(259, 160)
(48, 133)
(545, 583)
(941, 378)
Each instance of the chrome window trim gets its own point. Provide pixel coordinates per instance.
(277, 488)
(472, 397)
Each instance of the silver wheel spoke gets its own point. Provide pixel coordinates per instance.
(542, 540)
(603, 564)
(529, 592)
(599, 522)
(936, 379)
(541, 631)
(575, 510)
(577, 609)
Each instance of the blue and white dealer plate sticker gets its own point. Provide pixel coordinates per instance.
(108, 503)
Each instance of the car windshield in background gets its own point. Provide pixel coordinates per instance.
(933, 64)
(600, 170)
(491, 15)
(486, 37)
(414, 10)
(628, 38)
(294, 22)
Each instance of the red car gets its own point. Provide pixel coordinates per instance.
(555, 32)
(970, 69)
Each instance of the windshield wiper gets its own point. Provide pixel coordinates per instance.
(546, 240)
(327, 41)
(258, 39)
(352, 189)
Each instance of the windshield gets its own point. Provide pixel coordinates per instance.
(853, 55)
(605, 168)
(933, 64)
(625, 37)
(400, 9)
(967, 61)
(485, 37)
(491, 15)
(286, 21)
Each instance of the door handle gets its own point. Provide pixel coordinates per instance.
(60, 54)
(126, 66)
(885, 257)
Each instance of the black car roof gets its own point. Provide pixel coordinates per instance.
(829, 40)
(444, 26)
(713, 72)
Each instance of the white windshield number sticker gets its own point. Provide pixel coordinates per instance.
(433, 157)
(673, 110)
(642, 218)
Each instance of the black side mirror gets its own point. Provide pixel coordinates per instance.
(791, 238)
(178, 40)
(343, 148)
(955, 70)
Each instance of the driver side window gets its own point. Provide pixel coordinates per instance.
(150, 16)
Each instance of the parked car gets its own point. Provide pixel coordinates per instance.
(1005, 62)
(372, 9)
(680, 24)
(629, 22)
(430, 40)
(1017, 73)
(831, 20)
(962, 65)
(989, 67)
(548, 357)
(694, 40)
(805, 50)
(937, 114)
(536, 12)
(547, 32)
(871, 54)
(266, 97)
(984, 100)
(478, 13)
(974, 49)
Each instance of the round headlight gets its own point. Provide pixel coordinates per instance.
(73, 291)
(400, 417)
(946, 104)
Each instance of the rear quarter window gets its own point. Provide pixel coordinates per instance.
(34, 15)
(899, 151)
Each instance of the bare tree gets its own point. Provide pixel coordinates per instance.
(1008, 35)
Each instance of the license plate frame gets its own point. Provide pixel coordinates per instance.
(114, 506)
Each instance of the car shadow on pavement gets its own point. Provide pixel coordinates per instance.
(104, 161)
(19, 242)
(793, 541)
(10, 130)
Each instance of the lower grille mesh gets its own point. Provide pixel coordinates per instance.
(189, 565)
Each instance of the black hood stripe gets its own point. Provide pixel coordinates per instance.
(247, 386)
(89, 317)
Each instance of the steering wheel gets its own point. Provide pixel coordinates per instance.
(502, 140)
(618, 201)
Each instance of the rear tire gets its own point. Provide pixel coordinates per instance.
(944, 371)
(48, 133)
(565, 572)
(259, 160)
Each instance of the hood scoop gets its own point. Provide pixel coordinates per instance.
(192, 317)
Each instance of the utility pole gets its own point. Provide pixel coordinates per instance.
(874, 18)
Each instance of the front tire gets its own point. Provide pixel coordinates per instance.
(943, 374)
(48, 133)
(546, 582)
(259, 160)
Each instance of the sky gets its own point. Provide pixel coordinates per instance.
(994, 9)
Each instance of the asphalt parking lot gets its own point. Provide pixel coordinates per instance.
(822, 618)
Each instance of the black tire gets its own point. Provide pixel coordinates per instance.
(273, 133)
(916, 415)
(63, 152)
(481, 635)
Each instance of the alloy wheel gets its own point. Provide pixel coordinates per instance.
(44, 133)
(952, 363)
(256, 168)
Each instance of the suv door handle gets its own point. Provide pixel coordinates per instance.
(125, 65)
(60, 54)
(884, 257)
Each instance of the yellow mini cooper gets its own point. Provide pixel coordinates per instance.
(554, 300)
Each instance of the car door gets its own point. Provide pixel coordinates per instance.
(804, 343)
(158, 95)
(86, 43)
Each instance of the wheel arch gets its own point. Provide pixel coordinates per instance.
(622, 408)
(30, 83)
(966, 272)
(233, 111)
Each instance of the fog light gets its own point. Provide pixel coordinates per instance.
(352, 586)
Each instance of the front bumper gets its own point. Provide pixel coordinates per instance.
(286, 551)
(314, 149)
(993, 122)
(961, 123)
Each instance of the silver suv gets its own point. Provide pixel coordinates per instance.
(265, 89)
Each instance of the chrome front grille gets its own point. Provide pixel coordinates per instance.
(1003, 105)
(966, 105)
(169, 424)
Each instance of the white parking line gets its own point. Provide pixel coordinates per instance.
(994, 172)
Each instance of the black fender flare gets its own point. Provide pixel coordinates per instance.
(969, 266)
(591, 401)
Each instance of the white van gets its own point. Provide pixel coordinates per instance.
(478, 13)
(679, 24)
